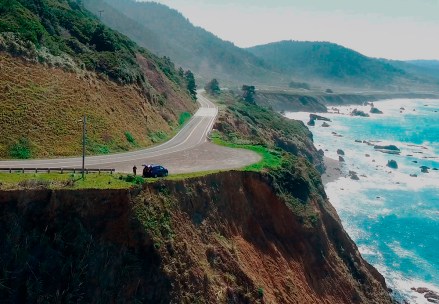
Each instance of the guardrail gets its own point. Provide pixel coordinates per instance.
(60, 170)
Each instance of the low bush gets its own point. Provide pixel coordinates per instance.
(21, 149)
(130, 138)
(184, 117)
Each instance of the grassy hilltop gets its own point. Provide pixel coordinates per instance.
(60, 62)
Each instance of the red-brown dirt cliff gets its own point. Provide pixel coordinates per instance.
(223, 238)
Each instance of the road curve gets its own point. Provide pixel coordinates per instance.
(188, 151)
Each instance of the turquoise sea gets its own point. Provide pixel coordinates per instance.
(393, 217)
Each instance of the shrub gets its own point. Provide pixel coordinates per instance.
(21, 149)
(184, 117)
(261, 292)
(130, 138)
(158, 136)
(137, 180)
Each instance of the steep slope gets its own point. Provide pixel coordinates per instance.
(425, 68)
(59, 63)
(332, 64)
(190, 46)
(224, 238)
(243, 123)
(262, 236)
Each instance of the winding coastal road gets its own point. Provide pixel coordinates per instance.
(188, 151)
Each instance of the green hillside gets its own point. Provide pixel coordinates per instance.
(332, 64)
(168, 33)
(423, 68)
(63, 27)
(58, 62)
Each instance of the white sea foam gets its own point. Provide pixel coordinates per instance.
(367, 198)
(402, 286)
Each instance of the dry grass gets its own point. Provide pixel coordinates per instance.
(43, 105)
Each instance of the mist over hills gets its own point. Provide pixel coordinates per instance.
(330, 63)
(167, 32)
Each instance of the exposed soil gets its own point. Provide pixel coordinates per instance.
(43, 105)
(223, 238)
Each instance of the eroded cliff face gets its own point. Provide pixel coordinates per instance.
(230, 237)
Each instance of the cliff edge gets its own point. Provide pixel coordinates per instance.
(233, 237)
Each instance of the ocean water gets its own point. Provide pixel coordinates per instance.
(392, 216)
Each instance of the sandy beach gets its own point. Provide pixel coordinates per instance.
(333, 170)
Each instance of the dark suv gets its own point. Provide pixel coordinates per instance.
(154, 171)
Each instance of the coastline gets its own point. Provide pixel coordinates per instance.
(376, 208)
(333, 170)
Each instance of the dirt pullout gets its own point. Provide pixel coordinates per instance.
(40, 108)
(222, 238)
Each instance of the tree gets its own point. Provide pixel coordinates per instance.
(249, 93)
(180, 72)
(191, 85)
(213, 87)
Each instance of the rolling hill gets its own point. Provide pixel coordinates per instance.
(167, 32)
(334, 65)
(58, 62)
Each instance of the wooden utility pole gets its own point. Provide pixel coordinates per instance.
(100, 14)
(84, 126)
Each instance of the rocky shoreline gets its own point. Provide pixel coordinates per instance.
(401, 153)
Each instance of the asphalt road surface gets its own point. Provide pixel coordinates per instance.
(188, 151)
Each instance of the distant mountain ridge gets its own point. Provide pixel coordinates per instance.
(169, 33)
(329, 63)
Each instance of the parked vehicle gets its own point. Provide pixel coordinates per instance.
(154, 171)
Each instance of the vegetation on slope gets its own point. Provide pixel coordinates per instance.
(242, 123)
(63, 27)
(329, 63)
(67, 64)
(169, 33)
(232, 237)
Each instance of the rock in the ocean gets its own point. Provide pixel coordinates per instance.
(340, 159)
(374, 110)
(325, 125)
(413, 175)
(356, 112)
(392, 164)
(340, 152)
(430, 295)
(424, 169)
(318, 117)
(353, 175)
(389, 149)
(358, 141)
(311, 123)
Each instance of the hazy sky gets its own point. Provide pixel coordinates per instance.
(393, 29)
